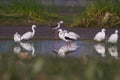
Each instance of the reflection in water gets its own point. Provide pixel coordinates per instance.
(100, 48)
(66, 49)
(113, 51)
(44, 47)
(27, 46)
(17, 49)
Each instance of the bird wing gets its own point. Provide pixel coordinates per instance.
(96, 36)
(68, 38)
(74, 34)
(113, 38)
(72, 37)
(99, 36)
(27, 35)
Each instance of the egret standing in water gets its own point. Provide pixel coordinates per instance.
(100, 35)
(113, 38)
(67, 36)
(25, 36)
(56, 28)
(29, 35)
(17, 37)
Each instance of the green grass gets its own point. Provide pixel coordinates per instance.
(89, 15)
(95, 13)
(27, 11)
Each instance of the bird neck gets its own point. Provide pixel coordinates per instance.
(60, 31)
(102, 31)
(58, 24)
(33, 31)
(116, 32)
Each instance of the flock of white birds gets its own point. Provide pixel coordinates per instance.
(68, 37)
(101, 36)
(25, 36)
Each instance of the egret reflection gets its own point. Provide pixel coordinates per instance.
(100, 48)
(17, 49)
(113, 51)
(29, 47)
(66, 49)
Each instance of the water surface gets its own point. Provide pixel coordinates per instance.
(46, 47)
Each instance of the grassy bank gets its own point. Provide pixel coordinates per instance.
(27, 12)
(96, 13)
(100, 13)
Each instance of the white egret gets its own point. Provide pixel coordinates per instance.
(71, 35)
(67, 36)
(29, 35)
(113, 51)
(28, 47)
(114, 37)
(17, 37)
(58, 25)
(61, 35)
(100, 35)
(100, 49)
(65, 49)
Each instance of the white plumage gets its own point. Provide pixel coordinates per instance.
(71, 35)
(100, 35)
(67, 36)
(17, 37)
(114, 37)
(61, 35)
(25, 36)
(28, 35)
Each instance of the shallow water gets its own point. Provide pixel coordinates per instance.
(86, 59)
(47, 47)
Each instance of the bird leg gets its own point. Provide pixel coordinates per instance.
(68, 44)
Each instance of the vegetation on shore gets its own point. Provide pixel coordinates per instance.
(100, 13)
(97, 13)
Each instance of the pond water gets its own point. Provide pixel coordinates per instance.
(48, 47)
(38, 59)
